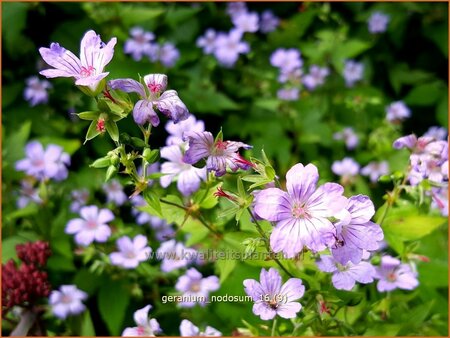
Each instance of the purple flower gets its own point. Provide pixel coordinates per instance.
(153, 95)
(139, 44)
(236, 8)
(92, 226)
(349, 136)
(195, 288)
(36, 91)
(345, 275)
(131, 252)
(145, 327)
(302, 212)
(286, 59)
(246, 22)
(163, 231)
(220, 154)
(229, 46)
(378, 22)
(187, 329)
(438, 133)
(293, 76)
(88, 69)
(346, 168)
(28, 194)
(174, 255)
(440, 199)
(67, 301)
(397, 111)
(271, 298)
(207, 41)
(44, 164)
(288, 94)
(188, 177)
(79, 199)
(375, 169)
(355, 232)
(168, 54)
(394, 275)
(114, 192)
(353, 72)
(268, 22)
(176, 131)
(316, 77)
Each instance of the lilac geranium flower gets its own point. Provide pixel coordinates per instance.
(88, 70)
(79, 199)
(131, 252)
(188, 329)
(168, 54)
(114, 192)
(268, 22)
(438, 133)
(176, 131)
(397, 111)
(28, 194)
(229, 46)
(272, 298)
(349, 136)
(153, 95)
(440, 199)
(316, 77)
(44, 164)
(293, 76)
(236, 8)
(145, 327)
(174, 255)
(355, 232)
(375, 169)
(378, 22)
(207, 41)
(346, 168)
(286, 59)
(220, 154)
(139, 44)
(188, 177)
(195, 288)
(392, 274)
(288, 94)
(345, 275)
(353, 72)
(92, 226)
(67, 301)
(246, 22)
(302, 212)
(36, 91)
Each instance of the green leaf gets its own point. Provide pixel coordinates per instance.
(89, 115)
(135, 15)
(425, 94)
(113, 299)
(206, 199)
(86, 326)
(112, 129)
(14, 143)
(225, 267)
(60, 263)
(154, 205)
(30, 210)
(171, 213)
(9, 244)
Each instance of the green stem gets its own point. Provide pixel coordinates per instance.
(274, 326)
(172, 203)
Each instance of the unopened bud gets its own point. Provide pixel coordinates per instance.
(102, 162)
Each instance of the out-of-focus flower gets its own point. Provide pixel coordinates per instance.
(168, 54)
(316, 77)
(188, 329)
(375, 169)
(28, 194)
(220, 154)
(397, 111)
(345, 275)
(79, 199)
(236, 8)
(302, 213)
(188, 177)
(349, 136)
(145, 327)
(44, 164)
(36, 90)
(392, 274)
(353, 72)
(293, 76)
(139, 44)
(67, 301)
(229, 46)
(288, 94)
(246, 22)
(438, 133)
(92, 226)
(114, 192)
(286, 59)
(207, 41)
(177, 130)
(378, 22)
(131, 252)
(273, 298)
(88, 70)
(174, 255)
(347, 168)
(440, 199)
(155, 95)
(195, 288)
(268, 22)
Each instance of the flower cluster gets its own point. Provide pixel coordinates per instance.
(195, 288)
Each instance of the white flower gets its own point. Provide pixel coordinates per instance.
(145, 327)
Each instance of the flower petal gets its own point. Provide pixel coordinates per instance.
(128, 86)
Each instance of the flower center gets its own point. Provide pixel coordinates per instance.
(195, 287)
(154, 87)
(140, 330)
(391, 277)
(66, 299)
(299, 211)
(91, 224)
(273, 303)
(85, 72)
(130, 254)
(100, 127)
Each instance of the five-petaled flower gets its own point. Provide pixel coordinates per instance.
(145, 327)
(88, 70)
